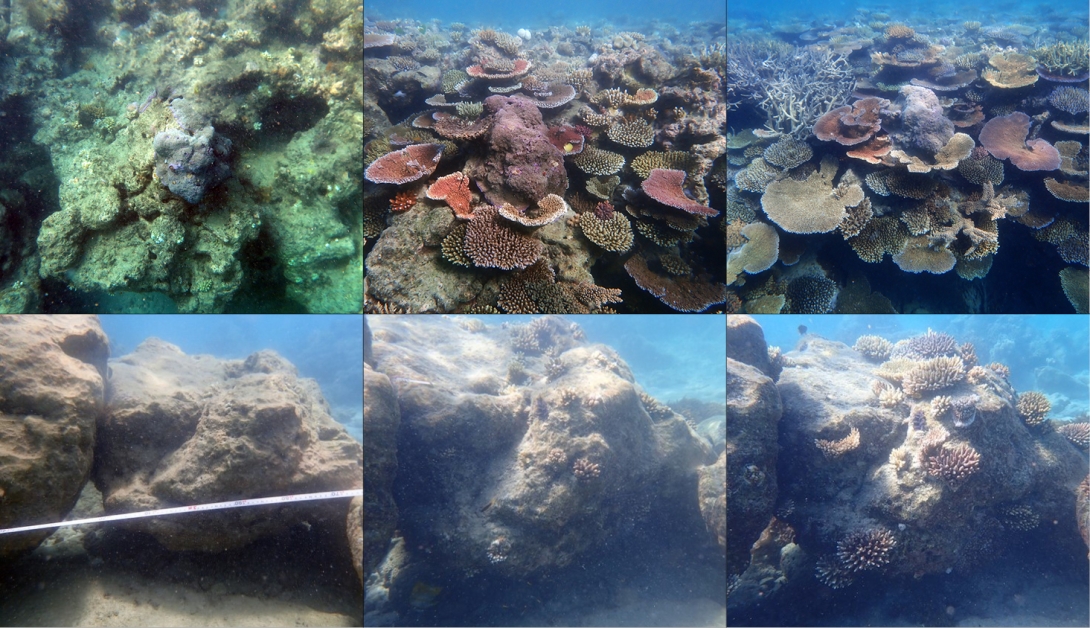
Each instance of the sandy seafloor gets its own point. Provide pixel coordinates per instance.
(269, 583)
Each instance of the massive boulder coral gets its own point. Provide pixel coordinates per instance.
(522, 166)
(525, 448)
(52, 380)
(181, 429)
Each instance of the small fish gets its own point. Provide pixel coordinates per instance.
(488, 505)
(802, 330)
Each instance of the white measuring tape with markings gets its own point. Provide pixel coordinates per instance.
(241, 503)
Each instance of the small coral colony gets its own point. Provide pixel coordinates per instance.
(568, 170)
(926, 148)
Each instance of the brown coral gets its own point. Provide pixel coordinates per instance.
(873, 347)
(865, 550)
(837, 448)
(1078, 433)
(934, 374)
(585, 469)
(1033, 407)
(490, 243)
(954, 465)
(812, 205)
(851, 124)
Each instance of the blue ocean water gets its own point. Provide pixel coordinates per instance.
(325, 348)
(1007, 11)
(1048, 353)
(515, 15)
(673, 356)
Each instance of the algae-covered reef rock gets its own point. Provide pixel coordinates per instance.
(916, 466)
(753, 413)
(181, 429)
(139, 139)
(524, 448)
(381, 420)
(354, 525)
(713, 498)
(52, 380)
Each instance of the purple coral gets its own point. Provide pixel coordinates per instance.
(522, 166)
(191, 164)
(924, 124)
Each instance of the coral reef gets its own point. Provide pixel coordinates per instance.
(866, 550)
(633, 119)
(918, 141)
(893, 485)
(188, 160)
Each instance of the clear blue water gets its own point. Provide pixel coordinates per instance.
(1004, 12)
(326, 348)
(1046, 353)
(515, 15)
(672, 356)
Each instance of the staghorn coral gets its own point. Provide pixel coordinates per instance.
(866, 550)
(934, 374)
(837, 448)
(1033, 406)
(585, 470)
(952, 464)
(832, 573)
(874, 348)
(1064, 61)
(1077, 433)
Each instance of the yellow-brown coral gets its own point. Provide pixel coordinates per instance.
(934, 374)
(1010, 70)
(837, 448)
(1033, 407)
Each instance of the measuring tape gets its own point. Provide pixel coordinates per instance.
(241, 503)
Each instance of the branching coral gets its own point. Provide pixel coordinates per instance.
(952, 464)
(866, 550)
(1033, 407)
(793, 86)
(837, 448)
(874, 348)
(934, 374)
